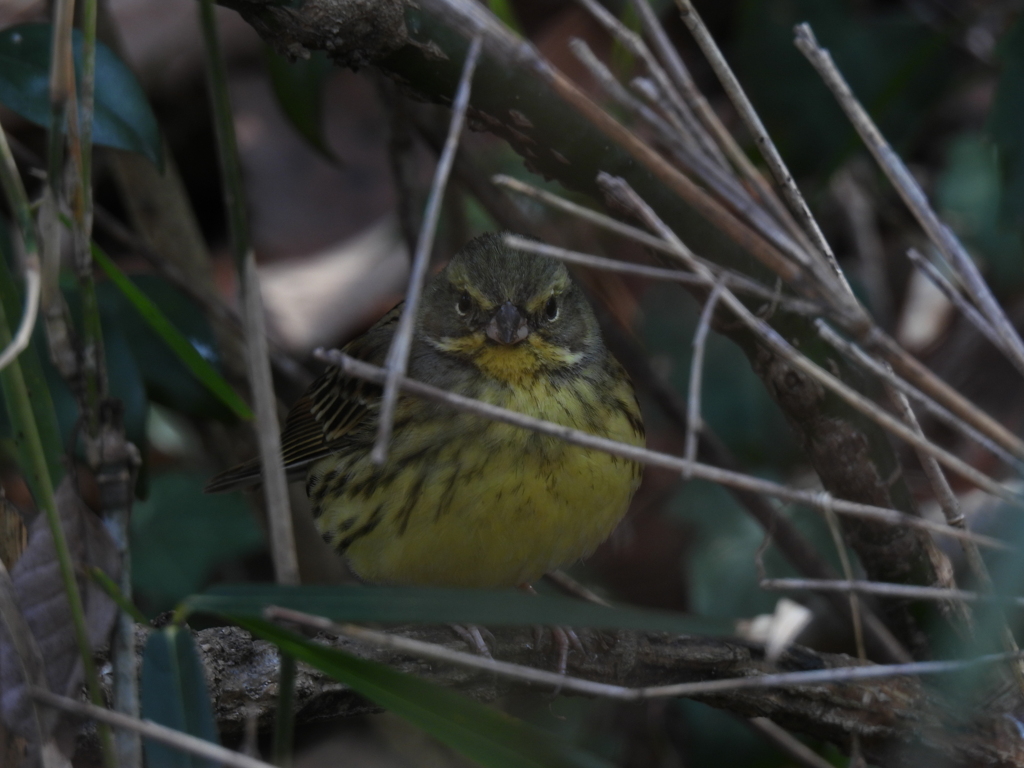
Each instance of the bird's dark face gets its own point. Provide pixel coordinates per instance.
(511, 313)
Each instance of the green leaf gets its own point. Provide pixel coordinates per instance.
(122, 116)
(174, 339)
(173, 693)
(179, 535)
(299, 88)
(481, 733)
(459, 606)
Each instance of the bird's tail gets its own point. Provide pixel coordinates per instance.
(244, 475)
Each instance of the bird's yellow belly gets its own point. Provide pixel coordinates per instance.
(496, 510)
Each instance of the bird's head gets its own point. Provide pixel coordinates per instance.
(511, 313)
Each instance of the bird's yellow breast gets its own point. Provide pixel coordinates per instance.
(466, 502)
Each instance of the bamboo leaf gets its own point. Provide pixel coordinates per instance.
(187, 353)
(486, 735)
(122, 115)
(429, 605)
(174, 694)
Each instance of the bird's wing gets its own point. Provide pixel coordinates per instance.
(332, 406)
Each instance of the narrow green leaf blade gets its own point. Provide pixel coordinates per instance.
(122, 117)
(174, 694)
(187, 353)
(428, 605)
(486, 735)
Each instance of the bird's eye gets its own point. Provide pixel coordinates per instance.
(551, 309)
(464, 304)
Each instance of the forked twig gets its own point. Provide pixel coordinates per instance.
(398, 354)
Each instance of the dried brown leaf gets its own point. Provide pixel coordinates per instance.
(39, 594)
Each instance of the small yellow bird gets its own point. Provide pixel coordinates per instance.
(463, 501)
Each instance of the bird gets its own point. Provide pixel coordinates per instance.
(463, 501)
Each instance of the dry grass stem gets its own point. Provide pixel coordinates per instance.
(679, 80)
(885, 589)
(713, 126)
(23, 335)
(951, 292)
(150, 730)
(829, 280)
(883, 372)
(912, 194)
(398, 354)
(675, 109)
(694, 422)
(844, 561)
(629, 198)
(275, 480)
(815, 499)
(570, 586)
(734, 281)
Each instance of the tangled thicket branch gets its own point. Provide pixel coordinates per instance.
(735, 222)
(898, 721)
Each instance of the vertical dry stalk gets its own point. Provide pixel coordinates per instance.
(398, 354)
(275, 483)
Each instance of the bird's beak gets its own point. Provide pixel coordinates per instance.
(507, 326)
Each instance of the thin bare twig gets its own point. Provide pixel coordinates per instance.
(908, 366)
(843, 298)
(147, 728)
(676, 109)
(622, 693)
(844, 561)
(398, 354)
(694, 422)
(885, 589)
(570, 586)
(950, 291)
(732, 280)
(677, 70)
(954, 517)
(815, 499)
(275, 483)
(629, 198)
(680, 79)
(912, 194)
(882, 371)
(23, 335)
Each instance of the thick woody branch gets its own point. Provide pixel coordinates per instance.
(911, 726)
